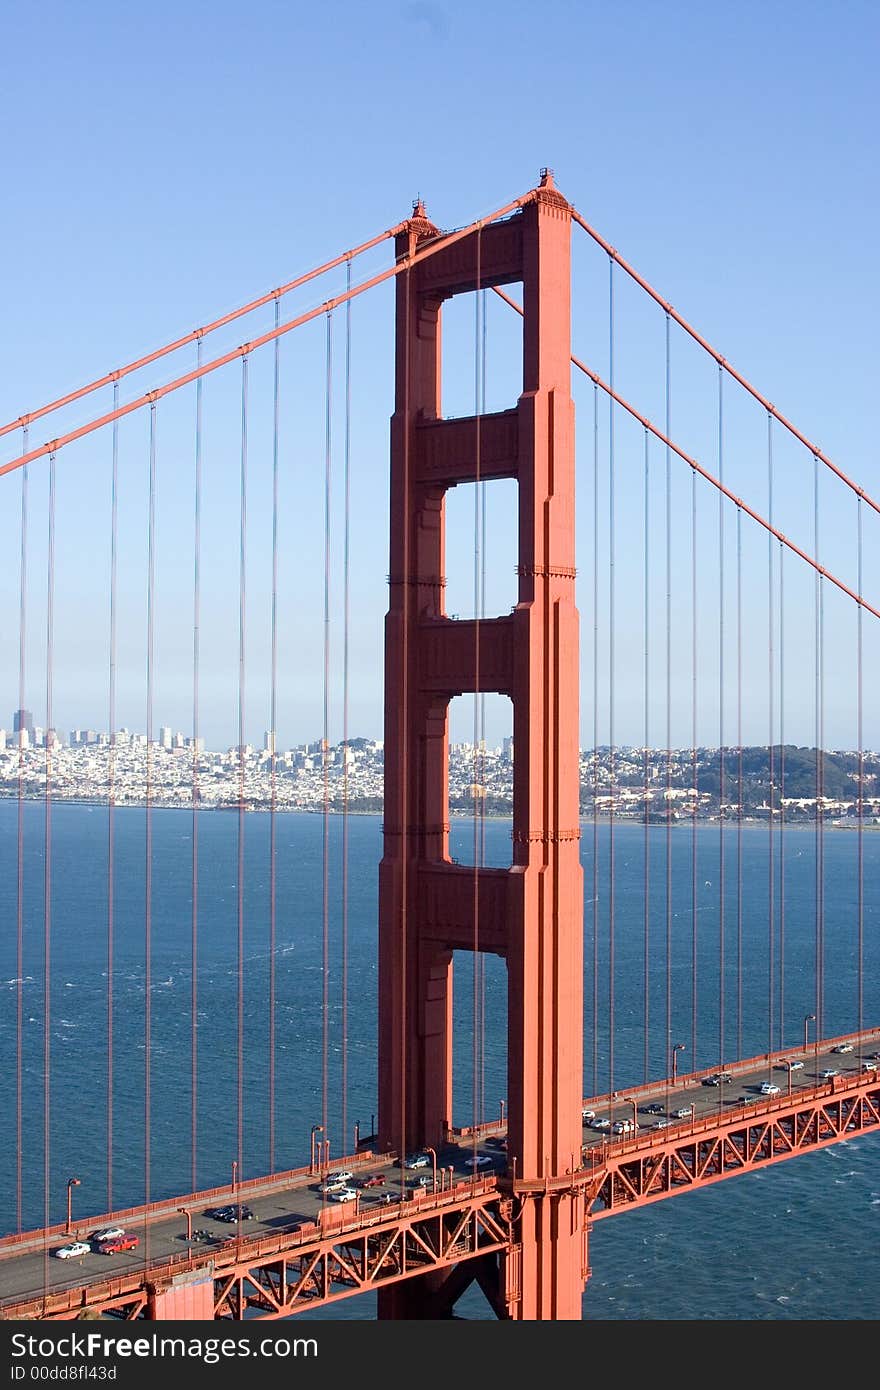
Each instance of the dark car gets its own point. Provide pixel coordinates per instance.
(233, 1212)
(655, 1108)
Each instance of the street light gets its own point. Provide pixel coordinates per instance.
(185, 1211)
(502, 1104)
(234, 1176)
(808, 1019)
(429, 1150)
(789, 1064)
(71, 1184)
(316, 1129)
(679, 1047)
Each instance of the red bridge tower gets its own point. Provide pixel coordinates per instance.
(532, 913)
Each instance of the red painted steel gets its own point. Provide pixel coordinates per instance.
(539, 928)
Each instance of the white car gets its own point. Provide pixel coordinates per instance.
(478, 1161)
(828, 1073)
(602, 1123)
(843, 1047)
(795, 1066)
(416, 1161)
(108, 1233)
(330, 1188)
(69, 1252)
(684, 1113)
(340, 1175)
(587, 1116)
(343, 1194)
(769, 1088)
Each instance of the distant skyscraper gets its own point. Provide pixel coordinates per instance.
(269, 741)
(165, 736)
(23, 719)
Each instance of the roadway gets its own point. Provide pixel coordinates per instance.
(32, 1266)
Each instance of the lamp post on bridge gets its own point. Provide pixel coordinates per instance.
(433, 1153)
(71, 1184)
(679, 1047)
(808, 1019)
(316, 1129)
(185, 1211)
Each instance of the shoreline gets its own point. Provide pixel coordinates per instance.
(685, 823)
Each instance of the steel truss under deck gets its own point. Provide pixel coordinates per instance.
(712, 1150)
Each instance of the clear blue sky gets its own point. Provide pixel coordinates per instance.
(162, 165)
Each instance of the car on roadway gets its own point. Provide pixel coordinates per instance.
(108, 1233)
(120, 1243)
(603, 1122)
(328, 1187)
(655, 1108)
(373, 1180)
(587, 1116)
(623, 1127)
(424, 1180)
(828, 1073)
(344, 1194)
(340, 1175)
(684, 1112)
(661, 1124)
(416, 1161)
(843, 1047)
(795, 1066)
(769, 1088)
(496, 1141)
(236, 1211)
(478, 1161)
(72, 1251)
(710, 1081)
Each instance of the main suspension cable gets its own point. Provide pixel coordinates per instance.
(197, 334)
(722, 362)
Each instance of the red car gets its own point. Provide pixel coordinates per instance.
(374, 1180)
(119, 1243)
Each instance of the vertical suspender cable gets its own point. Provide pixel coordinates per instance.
(345, 702)
(19, 967)
(595, 739)
(646, 962)
(668, 697)
(148, 814)
(694, 791)
(721, 787)
(273, 733)
(325, 742)
(861, 803)
(771, 768)
(781, 836)
(194, 926)
(820, 944)
(47, 869)
(346, 620)
(611, 729)
(111, 791)
(739, 791)
(242, 617)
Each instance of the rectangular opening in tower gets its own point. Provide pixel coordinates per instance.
(481, 528)
(481, 358)
(479, 1048)
(481, 780)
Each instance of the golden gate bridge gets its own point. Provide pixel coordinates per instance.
(708, 584)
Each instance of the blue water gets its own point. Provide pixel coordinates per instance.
(797, 1241)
